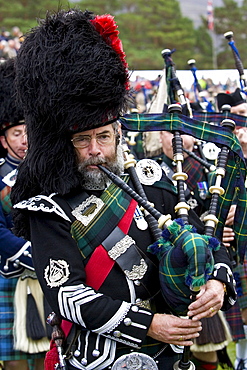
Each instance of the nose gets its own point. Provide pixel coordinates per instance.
(24, 139)
(94, 148)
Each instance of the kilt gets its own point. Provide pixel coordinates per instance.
(241, 269)
(215, 334)
(234, 319)
(7, 352)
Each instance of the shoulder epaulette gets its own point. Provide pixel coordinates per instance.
(42, 203)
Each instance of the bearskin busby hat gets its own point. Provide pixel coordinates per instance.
(10, 114)
(71, 76)
(233, 99)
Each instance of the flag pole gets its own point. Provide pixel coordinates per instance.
(210, 20)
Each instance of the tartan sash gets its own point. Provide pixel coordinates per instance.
(5, 199)
(116, 203)
(96, 277)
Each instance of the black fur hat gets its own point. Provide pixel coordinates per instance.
(233, 99)
(71, 76)
(10, 114)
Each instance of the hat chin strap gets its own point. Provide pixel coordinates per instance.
(12, 149)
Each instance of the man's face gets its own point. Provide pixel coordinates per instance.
(101, 149)
(166, 140)
(15, 141)
(240, 109)
(241, 132)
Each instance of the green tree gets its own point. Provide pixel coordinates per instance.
(231, 17)
(147, 27)
(203, 49)
(24, 13)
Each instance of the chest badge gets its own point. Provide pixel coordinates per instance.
(148, 171)
(56, 273)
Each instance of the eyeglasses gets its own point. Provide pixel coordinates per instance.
(83, 141)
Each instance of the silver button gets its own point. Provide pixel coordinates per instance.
(138, 300)
(127, 321)
(84, 361)
(96, 353)
(137, 283)
(117, 334)
(134, 308)
(77, 353)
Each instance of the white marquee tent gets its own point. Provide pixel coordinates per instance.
(186, 77)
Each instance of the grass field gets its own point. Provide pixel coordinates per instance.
(231, 352)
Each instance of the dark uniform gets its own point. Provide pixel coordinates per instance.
(114, 317)
(15, 256)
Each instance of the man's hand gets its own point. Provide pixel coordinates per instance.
(241, 134)
(208, 302)
(244, 315)
(174, 330)
(230, 216)
(228, 236)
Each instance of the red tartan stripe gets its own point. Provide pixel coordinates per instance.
(96, 277)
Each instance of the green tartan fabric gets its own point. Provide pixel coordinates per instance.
(234, 180)
(242, 271)
(5, 199)
(216, 118)
(116, 202)
(186, 263)
(174, 122)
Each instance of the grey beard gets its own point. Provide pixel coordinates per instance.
(95, 179)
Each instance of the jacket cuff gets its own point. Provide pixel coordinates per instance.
(223, 273)
(133, 328)
(15, 265)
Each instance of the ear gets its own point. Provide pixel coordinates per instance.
(119, 134)
(3, 142)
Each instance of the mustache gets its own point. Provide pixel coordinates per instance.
(94, 161)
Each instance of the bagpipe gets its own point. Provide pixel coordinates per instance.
(238, 63)
(216, 117)
(198, 91)
(229, 173)
(185, 257)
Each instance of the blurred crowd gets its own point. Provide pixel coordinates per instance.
(10, 42)
(144, 91)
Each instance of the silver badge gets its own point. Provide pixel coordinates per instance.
(211, 151)
(148, 171)
(135, 361)
(56, 273)
(89, 202)
(140, 221)
(137, 272)
(120, 247)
